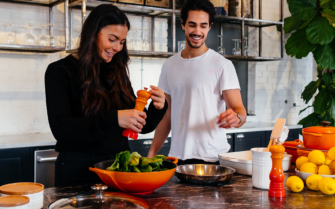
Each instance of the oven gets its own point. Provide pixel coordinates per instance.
(44, 167)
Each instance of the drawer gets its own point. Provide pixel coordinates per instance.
(140, 2)
(142, 146)
(158, 3)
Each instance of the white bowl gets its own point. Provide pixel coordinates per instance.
(304, 175)
(242, 161)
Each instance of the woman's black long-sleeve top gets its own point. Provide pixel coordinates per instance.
(74, 132)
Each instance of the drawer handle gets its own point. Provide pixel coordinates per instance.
(147, 142)
(240, 136)
(228, 136)
(46, 159)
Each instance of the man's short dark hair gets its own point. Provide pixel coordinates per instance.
(204, 5)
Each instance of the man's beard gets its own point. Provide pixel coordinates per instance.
(192, 46)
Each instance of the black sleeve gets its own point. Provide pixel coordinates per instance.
(154, 116)
(64, 126)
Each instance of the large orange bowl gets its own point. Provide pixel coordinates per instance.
(132, 182)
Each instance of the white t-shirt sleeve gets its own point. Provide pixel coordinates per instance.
(162, 83)
(228, 78)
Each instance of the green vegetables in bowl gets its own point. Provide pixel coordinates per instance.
(134, 162)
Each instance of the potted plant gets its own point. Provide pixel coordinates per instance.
(313, 26)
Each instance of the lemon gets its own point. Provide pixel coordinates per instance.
(317, 157)
(309, 168)
(294, 184)
(301, 160)
(327, 185)
(327, 162)
(331, 153)
(312, 182)
(324, 169)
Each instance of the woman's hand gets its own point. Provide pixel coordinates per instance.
(131, 119)
(158, 97)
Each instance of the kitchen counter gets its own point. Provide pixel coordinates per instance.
(237, 193)
(47, 139)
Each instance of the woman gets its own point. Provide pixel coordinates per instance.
(90, 100)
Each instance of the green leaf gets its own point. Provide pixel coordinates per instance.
(309, 91)
(304, 9)
(329, 14)
(311, 120)
(297, 44)
(319, 31)
(332, 107)
(322, 2)
(304, 109)
(320, 103)
(291, 24)
(325, 55)
(327, 78)
(333, 77)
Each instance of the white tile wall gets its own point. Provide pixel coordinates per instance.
(22, 99)
(22, 95)
(273, 83)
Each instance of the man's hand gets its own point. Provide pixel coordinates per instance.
(228, 119)
(158, 97)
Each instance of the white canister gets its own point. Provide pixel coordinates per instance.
(29, 189)
(261, 168)
(14, 202)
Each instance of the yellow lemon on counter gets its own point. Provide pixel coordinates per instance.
(327, 161)
(331, 153)
(327, 185)
(294, 184)
(301, 160)
(317, 157)
(309, 168)
(324, 169)
(312, 182)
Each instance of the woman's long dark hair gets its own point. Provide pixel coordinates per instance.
(115, 76)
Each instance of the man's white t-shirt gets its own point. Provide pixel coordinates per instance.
(195, 86)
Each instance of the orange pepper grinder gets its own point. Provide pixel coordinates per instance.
(277, 176)
(141, 101)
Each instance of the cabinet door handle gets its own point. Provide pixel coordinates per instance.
(46, 159)
(240, 136)
(228, 136)
(147, 142)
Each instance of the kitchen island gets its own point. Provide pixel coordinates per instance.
(237, 193)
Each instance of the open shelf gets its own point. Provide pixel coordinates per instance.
(48, 3)
(134, 53)
(31, 48)
(247, 21)
(258, 59)
(127, 8)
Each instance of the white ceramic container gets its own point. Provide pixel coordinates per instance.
(261, 168)
(32, 190)
(14, 202)
(242, 161)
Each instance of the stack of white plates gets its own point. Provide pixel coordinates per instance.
(32, 190)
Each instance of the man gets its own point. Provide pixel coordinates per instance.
(198, 82)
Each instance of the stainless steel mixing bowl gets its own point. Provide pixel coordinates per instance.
(204, 174)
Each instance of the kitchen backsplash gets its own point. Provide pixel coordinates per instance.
(22, 96)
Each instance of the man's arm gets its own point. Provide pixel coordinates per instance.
(162, 131)
(229, 119)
